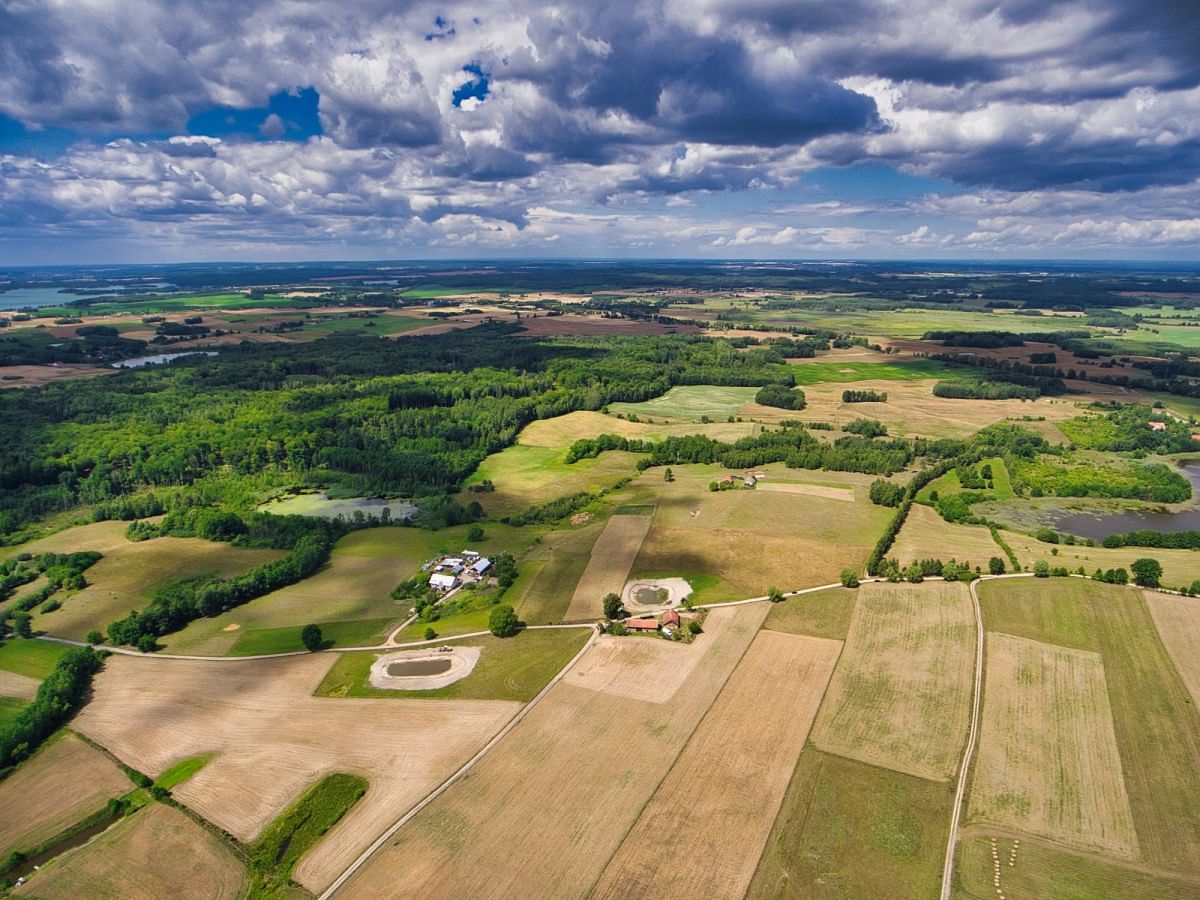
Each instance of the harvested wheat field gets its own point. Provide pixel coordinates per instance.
(619, 665)
(608, 569)
(926, 535)
(901, 693)
(543, 812)
(273, 739)
(561, 431)
(716, 807)
(62, 783)
(157, 852)
(811, 490)
(1048, 762)
(20, 686)
(1178, 622)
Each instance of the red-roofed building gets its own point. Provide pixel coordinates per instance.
(1158, 426)
(641, 625)
(670, 617)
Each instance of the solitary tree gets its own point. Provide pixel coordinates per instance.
(1146, 572)
(612, 607)
(475, 534)
(503, 621)
(774, 594)
(996, 565)
(1041, 569)
(310, 636)
(668, 475)
(849, 578)
(430, 634)
(95, 637)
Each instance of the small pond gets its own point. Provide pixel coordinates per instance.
(315, 503)
(648, 596)
(1102, 522)
(158, 359)
(412, 667)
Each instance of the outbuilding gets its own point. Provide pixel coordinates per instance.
(670, 617)
(641, 625)
(481, 565)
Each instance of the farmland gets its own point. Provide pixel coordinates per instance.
(1049, 764)
(612, 556)
(690, 403)
(601, 755)
(271, 740)
(900, 693)
(734, 771)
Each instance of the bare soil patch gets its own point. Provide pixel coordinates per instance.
(543, 812)
(273, 739)
(586, 325)
(900, 696)
(612, 557)
(64, 782)
(716, 806)
(32, 376)
(158, 852)
(1048, 762)
(20, 686)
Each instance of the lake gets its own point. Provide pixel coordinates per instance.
(1101, 523)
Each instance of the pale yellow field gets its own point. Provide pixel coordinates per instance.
(64, 782)
(608, 569)
(21, 686)
(104, 537)
(1048, 762)
(543, 812)
(927, 535)
(126, 577)
(1180, 567)
(1178, 622)
(912, 409)
(562, 431)
(273, 739)
(812, 490)
(157, 852)
(900, 696)
(716, 806)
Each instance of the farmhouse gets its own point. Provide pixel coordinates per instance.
(670, 617)
(1158, 426)
(641, 625)
(441, 581)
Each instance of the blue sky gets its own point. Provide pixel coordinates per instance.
(674, 128)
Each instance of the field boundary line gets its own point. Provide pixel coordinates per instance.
(972, 736)
(462, 771)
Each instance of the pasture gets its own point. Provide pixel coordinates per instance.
(691, 402)
(513, 669)
(64, 781)
(1178, 622)
(848, 830)
(607, 570)
(156, 852)
(1155, 721)
(354, 588)
(527, 476)
(717, 804)
(562, 431)
(549, 572)
(271, 739)
(901, 692)
(735, 544)
(824, 614)
(1047, 762)
(30, 658)
(599, 755)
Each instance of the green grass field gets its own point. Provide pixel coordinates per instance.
(183, 770)
(513, 668)
(1041, 870)
(549, 573)
(1157, 726)
(10, 708)
(526, 476)
(378, 326)
(348, 633)
(285, 840)
(815, 371)
(822, 614)
(691, 402)
(180, 304)
(32, 658)
(848, 830)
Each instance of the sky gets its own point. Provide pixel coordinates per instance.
(152, 131)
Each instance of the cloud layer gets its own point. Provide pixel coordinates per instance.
(669, 127)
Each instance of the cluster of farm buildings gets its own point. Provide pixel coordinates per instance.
(451, 571)
(669, 622)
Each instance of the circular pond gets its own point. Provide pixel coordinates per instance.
(426, 666)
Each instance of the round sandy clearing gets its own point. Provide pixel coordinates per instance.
(423, 670)
(655, 593)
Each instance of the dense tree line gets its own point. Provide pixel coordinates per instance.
(57, 697)
(864, 396)
(984, 390)
(780, 396)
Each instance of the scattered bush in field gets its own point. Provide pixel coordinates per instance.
(475, 534)
(310, 636)
(503, 622)
(95, 637)
(1046, 535)
(1041, 569)
(868, 428)
(694, 627)
(613, 608)
(884, 493)
(995, 566)
(849, 578)
(430, 634)
(774, 594)
(864, 396)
